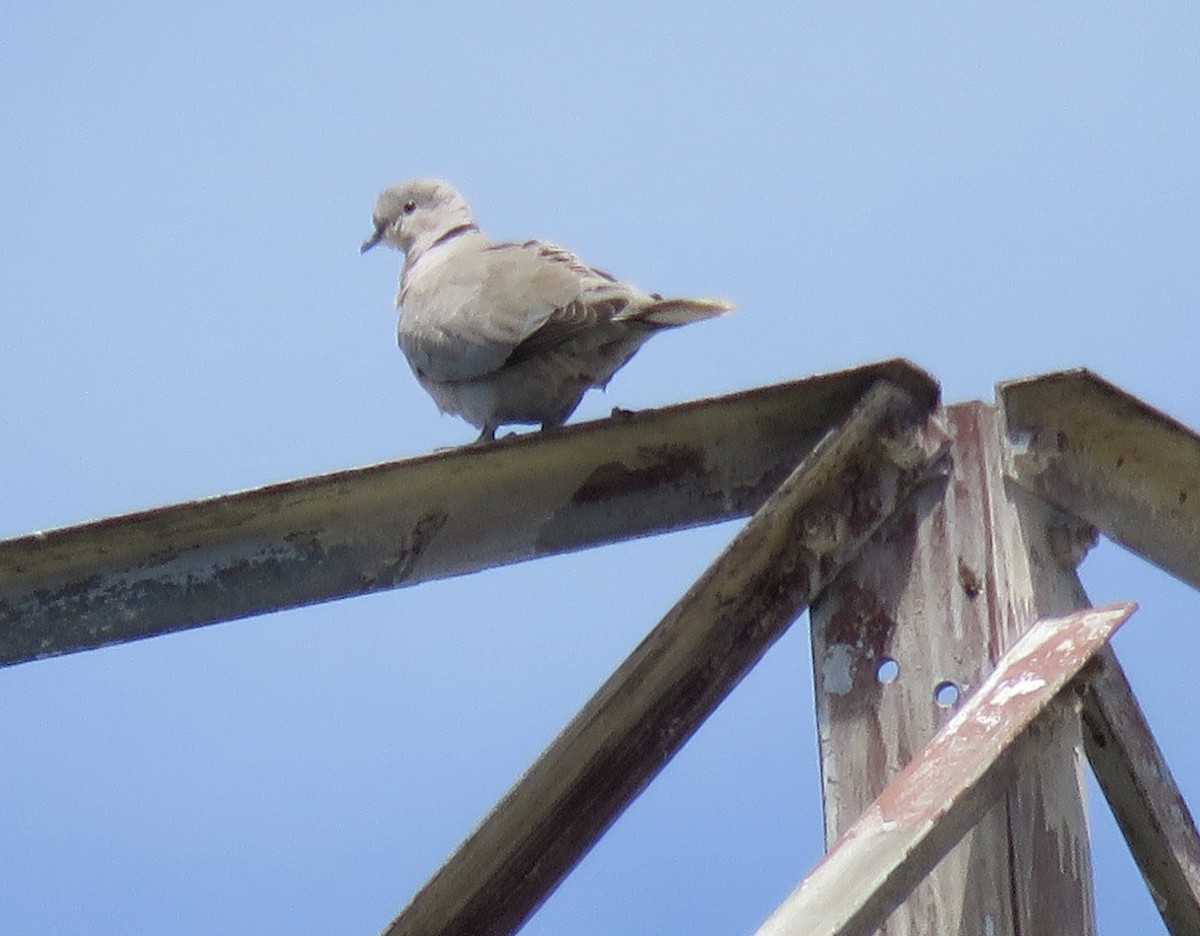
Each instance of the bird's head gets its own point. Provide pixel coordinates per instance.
(415, 214)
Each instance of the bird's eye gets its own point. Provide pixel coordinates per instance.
(410, 207)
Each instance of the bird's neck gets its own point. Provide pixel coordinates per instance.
(465, 228)
(422, 259)
(437, 239)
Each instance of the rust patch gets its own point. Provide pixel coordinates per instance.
(426, 528)
(423, 532)
(749, 497)
(664, 465)
(410, 549)
(861, 621)
(972, 585)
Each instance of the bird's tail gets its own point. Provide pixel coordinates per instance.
(667, 313)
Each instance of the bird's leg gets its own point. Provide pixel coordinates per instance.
(486, 434)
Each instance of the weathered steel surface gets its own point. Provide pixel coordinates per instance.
(1111, 459)
(947, 786)
(944, 590)
(797, 541)
(1139, 787)
(406, 522)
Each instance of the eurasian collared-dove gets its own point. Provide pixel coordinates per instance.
(503, 333)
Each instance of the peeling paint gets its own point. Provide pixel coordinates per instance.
(837, 669)
(1022, 685)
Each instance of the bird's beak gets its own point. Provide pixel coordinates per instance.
(374, 239)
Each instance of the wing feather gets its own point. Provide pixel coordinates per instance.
(479, 310)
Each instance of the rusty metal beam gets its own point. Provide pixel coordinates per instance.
(797, 541)
(1142, 793)
(1091, 448)
(947, 786)
(400, 523)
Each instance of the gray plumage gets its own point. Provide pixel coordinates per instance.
(502, 333)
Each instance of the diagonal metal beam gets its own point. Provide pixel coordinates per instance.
(1104, 455)
(792, 547)
(944, 790)
(400, 523)
(1142, 793)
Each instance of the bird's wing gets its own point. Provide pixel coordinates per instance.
(596, 297)
(481, 309)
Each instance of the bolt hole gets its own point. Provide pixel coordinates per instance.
(945, 694)
(888, 670)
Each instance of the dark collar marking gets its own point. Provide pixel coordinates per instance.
(453, 233)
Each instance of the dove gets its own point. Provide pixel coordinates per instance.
(509, 333)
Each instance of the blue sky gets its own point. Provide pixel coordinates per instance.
(991, 193)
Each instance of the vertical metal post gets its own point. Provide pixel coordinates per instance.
(907, 632)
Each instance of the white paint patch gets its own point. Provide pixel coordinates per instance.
(1023, 686)
(835, 669)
